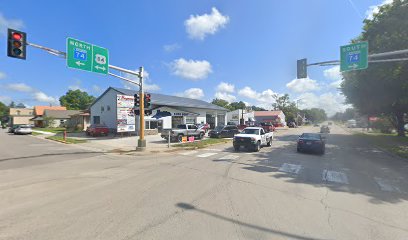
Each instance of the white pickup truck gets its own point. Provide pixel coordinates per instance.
(253, 138)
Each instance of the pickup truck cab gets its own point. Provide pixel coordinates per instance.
(183, 130)
(252, 138)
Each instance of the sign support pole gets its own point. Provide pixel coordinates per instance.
(141, 144)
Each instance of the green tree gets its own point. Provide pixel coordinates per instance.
(4, 113)
(12, 104)
(288, 107)
(237, 105)
(221, 103)
(20, 105)
(255, 108)
(315, 114)
(382, 88)
(76, 100)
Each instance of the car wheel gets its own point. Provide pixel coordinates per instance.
(298, 149)
(236, 148)
(180, 138)
(269, 142)
(258, 146)
(201, 136)
(322, 151)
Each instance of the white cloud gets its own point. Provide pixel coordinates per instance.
(194, 93)
(171, 47)
(5, 99)
(333, 73)
(147, 85)
(199, 26)
(42, 97)
(336, 84)
(2, 75)
(263, 99)
(191, 69)
(330, 102)
(19, 87)
(372, 10)
(9, 23)
(248, 92)
(225, 96)
(77, 86)
(96, 89)
(303, 85)
(225, 87)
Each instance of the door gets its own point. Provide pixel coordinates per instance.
(263, 137)
(192, 130)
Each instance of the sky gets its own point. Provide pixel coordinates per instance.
(232, 50)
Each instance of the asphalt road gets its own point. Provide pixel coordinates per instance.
(354, 191)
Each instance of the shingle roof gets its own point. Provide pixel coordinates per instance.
(267, 113)
(167, 100)
(60, 114)
(39, 110)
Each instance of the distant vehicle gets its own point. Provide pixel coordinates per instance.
(183, 130)
(330, 123)
(12, 128)
(23, 129)
(351, 123)
(325, 129)
(223, 131)
(268, 126)
(232, 123)
(313, 142)
(252, 138)
(316, 125)
(97, 130)
(292, 125)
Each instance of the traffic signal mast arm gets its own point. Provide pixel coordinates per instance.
(64, 55)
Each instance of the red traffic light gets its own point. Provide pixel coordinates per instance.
(17, 36)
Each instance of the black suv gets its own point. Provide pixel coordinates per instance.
(223, 131)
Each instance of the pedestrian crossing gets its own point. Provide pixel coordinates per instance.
(328, 176)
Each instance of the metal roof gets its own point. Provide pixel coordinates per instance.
(167, 100)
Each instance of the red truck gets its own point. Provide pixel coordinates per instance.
(267, 126)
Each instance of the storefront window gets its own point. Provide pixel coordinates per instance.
(190, 120)
(151, 124)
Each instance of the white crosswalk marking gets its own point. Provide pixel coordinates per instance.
(337, 177)
(204, 155)
(229, 157)
(188, 153)
(290, 168)
(385, 185)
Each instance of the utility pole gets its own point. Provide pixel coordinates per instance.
(141, 143)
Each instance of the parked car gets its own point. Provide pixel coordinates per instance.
(292, 125)
(23, 129)
(313, 142)
(97, 130)
(267, 126)
(252, 138)
(183, 130)
(325, 129)
(13, 128)
(223, 131)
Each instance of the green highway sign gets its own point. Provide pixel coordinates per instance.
(86, 56)
(354, 56)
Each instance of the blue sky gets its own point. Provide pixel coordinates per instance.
(235, 50)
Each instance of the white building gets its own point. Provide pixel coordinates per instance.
(183, 110)
(236, 116)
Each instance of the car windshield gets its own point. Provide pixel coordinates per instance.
(250, 131)
(311, 136)
(181, 126)
(218, 128)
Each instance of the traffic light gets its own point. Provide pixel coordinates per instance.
(147, 99)
(137, 100)
(148, 112)
(16, 44)
(302, 68)
(137, 112)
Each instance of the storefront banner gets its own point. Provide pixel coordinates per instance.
(125, 115)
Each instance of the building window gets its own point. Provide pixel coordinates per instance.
(151, 124)
(18, 112)
(107, 108)
(190, 120)
(102, 109)
(96, 119)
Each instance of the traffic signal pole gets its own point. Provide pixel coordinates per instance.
(141, 145)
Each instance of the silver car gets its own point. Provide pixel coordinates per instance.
(23, 129)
